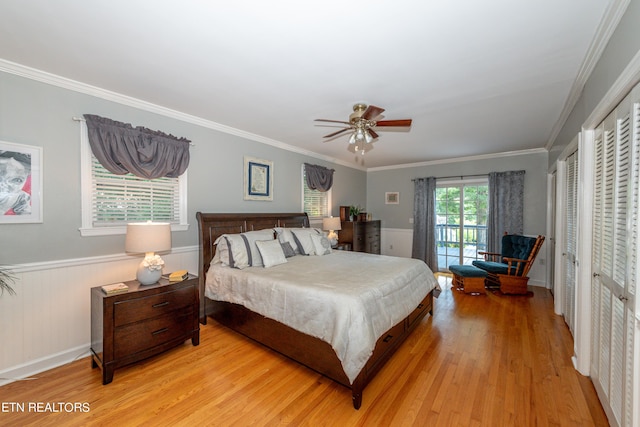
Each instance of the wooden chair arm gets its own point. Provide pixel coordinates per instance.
(514, 262)
(488, 256)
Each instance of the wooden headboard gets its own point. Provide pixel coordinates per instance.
(213, 225)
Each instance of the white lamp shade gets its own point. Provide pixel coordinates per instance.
(332, 223)
(144, 237)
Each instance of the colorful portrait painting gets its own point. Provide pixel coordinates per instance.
(20, 183)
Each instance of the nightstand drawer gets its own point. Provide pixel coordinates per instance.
(155, 305)
(136, 337)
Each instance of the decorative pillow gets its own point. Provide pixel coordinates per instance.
(255, 260)
(287, 249)
(321, 244)
(271, 252)
(285, 236)
(302, 237)
(232, 250)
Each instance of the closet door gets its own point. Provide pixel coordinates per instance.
(614, 261)
(570, 241)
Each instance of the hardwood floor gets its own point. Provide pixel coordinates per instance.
(490, 360)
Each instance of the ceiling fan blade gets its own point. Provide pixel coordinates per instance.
(332, 121)
(337, 133)
(405, 122)
(372, 133)
(371, 112)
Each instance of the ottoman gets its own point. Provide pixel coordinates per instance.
(468, 278)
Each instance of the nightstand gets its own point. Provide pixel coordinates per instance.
(142, 322)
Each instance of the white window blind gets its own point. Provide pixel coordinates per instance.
(119, 199)
(316, 204)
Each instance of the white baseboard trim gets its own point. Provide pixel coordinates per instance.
(29, 371)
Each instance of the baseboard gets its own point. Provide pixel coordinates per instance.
(29, 371)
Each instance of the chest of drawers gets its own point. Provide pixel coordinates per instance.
(364, 236)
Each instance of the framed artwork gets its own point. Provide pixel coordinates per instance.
(392, 198)
(258, 179)
(20, 183)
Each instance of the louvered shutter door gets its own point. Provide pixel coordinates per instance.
(619, 261)
(614, 260)
(596, 286)
(630, 377)
(569, 251)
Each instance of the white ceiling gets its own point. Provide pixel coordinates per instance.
(476, 77)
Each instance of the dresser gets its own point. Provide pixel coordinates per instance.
(142, 322)
(364, 236)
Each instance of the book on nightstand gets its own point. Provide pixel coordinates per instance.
(116, 288)
(178, 276)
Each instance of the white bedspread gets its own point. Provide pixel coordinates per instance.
(348, 299)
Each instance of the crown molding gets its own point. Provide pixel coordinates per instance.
(612, 16)
(461, 159)
(65, 83)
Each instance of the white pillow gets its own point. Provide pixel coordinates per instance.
(321, 244)
(232, 250)
(271, 252)
(302, 237)
(285, 235)
(255, 260)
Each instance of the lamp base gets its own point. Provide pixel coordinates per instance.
(146, 276)
(333, 237)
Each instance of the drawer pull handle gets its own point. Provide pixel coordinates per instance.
(160, 331)
(162, 304)
(420, 306)
(388, 338)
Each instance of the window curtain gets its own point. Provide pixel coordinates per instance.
(424, 222)
(506, 207)
(143, 152)
(318, 177)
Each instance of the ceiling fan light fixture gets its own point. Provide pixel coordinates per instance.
(367, 137)
(361, 127)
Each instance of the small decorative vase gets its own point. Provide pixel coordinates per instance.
(146, 276)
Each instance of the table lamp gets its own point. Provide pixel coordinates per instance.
(148, 238)
(332, 224)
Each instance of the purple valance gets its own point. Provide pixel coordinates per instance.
(143, 152)
(318, 177)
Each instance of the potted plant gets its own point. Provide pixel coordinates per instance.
(354, 211)
(6, 279)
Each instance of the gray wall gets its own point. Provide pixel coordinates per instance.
(397, 216)
(621, 48)
(40, 114)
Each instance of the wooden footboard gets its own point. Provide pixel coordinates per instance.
(313, 352)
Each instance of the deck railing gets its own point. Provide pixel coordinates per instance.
(448, 235)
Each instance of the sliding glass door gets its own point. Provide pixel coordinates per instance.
(461, 224)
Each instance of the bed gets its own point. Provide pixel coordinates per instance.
(350, 346)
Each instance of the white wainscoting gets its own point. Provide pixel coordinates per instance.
(396, 242)
(48, 322)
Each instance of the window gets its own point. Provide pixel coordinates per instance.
(316, 204)
(461, 222)
(110, 201)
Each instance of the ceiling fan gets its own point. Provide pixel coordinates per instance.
(361, 124)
